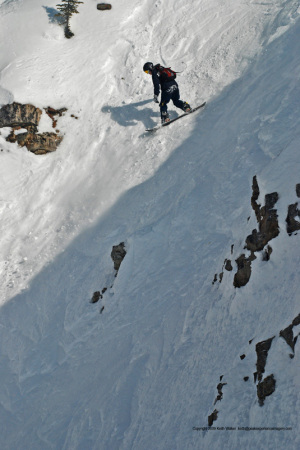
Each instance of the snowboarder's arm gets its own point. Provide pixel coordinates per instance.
(155, 80)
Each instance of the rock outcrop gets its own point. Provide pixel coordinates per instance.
(103, 6)
(268, 229)
(25, 116)
(213, 417)
(288, 334)
(292, 224)
(267, 218)
(39, 144)
(265, 388)
(243, 274)
(262, 348)
(18, 115)
(117, 255)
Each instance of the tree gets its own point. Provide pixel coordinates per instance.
(67, 8)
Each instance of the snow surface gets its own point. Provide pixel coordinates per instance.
(144, 373)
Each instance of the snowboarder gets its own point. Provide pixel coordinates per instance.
(164, 78)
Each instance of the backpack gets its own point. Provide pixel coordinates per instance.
(165, 73)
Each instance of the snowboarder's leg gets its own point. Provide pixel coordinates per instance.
(165, 98)
(179, 103)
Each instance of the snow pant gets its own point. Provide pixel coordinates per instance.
(172, 93)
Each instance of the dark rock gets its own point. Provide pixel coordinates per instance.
(96, 297)
(292, 224)
(262, 348)
(298, 190)
(55, 112)
(271, 200)
(268, 226)
(28, 116)
(228, 265)
(246, 378)
(243, 357)
(213, 417)
(268, 229)
(243, 273)
(39, 144)
(16, 114)
(215, 278)
(267, 220)
(101, 310)
(296, 321)
(254, 198)
(220, 393)
(265, 388)
(267, 253)
(288, 335)
(103, 6)
(117, 255)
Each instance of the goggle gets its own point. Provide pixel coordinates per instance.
(148, 71)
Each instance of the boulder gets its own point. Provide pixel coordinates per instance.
(103, 6)
(262, 349)
(16, 114)
(39, 144)
(117, 255)
(292, 224)
(265, 388)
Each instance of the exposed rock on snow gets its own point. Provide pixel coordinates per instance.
(18, 116)
(265, 388)
(212, 417)
(55, 112)
(243, 273)
(268, 229)
(228, 265)
(117, 255)
(96, 297)
(268, 222)
(220, 393)
(288, 335)
(292, 224)
(267, 253)
(262, 348)
(39, 144)
(103, 6)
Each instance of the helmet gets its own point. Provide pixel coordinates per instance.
(148, 67)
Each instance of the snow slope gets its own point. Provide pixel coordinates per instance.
(143, 373)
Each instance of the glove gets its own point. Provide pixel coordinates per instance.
(155, 99)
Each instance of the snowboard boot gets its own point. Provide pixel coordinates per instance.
(165, 117)
(186, 107)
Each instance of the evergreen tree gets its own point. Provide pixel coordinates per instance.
(67, 8)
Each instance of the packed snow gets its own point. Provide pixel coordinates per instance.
(143, 374)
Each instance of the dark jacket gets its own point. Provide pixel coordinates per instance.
(159, 84)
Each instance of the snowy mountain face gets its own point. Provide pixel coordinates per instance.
(149, 284)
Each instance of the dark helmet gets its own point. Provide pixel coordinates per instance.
(148, 67)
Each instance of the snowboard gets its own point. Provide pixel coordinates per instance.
(176, 118)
